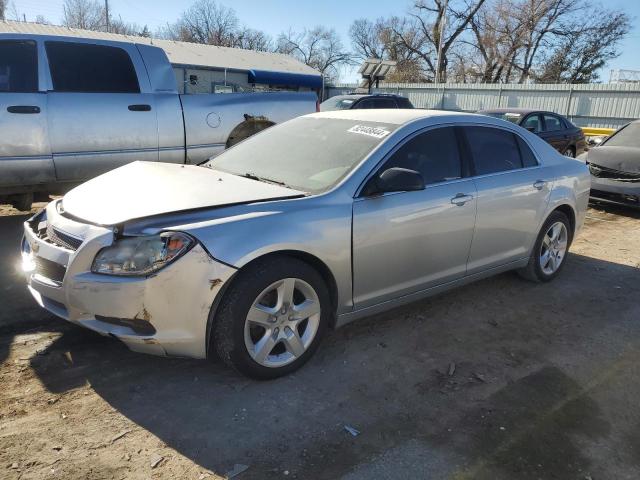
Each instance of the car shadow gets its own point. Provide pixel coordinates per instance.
(613, 209)
(389, 376)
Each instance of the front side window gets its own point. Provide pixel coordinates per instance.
(310, 154)
(434, 154)
(89, 68)
(493, 150)
(552, 123)
(532, 123)
(18, 66)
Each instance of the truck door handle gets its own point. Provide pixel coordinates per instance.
(461, 198)
(23, 109)
(539, 184)
(140, 108)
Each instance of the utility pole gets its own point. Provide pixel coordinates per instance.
(106, 13)
(441, 27)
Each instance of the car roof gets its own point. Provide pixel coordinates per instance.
(396, 116)
(523, 111)
(358, 96)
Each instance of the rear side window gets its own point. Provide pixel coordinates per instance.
(528, 158)
(84, 67)
(434, 154)
(493, 150)
(552, 123)
(18, 66)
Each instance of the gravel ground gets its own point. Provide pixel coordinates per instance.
(502, 379)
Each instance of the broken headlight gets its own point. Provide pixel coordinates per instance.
(141, 255)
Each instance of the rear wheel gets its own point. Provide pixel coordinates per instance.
(272, 318)
(570, 152)
(22, 201)
(550, 250)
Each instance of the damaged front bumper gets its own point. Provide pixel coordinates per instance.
(164, 314)
(613, 186)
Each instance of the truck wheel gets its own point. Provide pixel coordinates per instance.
(22, 202)
(272, 318)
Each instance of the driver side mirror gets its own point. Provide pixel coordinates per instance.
(395, 179)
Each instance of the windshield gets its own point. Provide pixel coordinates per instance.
(337, 103)
(508, 116)
(628, 136)
(309, 154)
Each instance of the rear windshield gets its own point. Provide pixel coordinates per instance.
(628, 136)
(508, 116)
(309, 154)
(337, 103)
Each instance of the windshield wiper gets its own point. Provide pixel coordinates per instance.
(253, 176)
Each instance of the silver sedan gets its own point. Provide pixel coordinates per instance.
(306, 226)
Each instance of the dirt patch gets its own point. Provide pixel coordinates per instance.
(544, 384)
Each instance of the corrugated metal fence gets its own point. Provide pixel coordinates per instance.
(591, 105)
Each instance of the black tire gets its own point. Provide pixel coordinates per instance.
(22, 201)
(533, 271)
(227, 330)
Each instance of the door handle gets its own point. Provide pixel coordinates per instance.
(539, 184)
(23, 109)
(140, 108)
(461, 198)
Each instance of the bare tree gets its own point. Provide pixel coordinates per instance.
(319, 48)
(84, 14)
(251, 39)
(206, 22)
(589, 42)
(3, 7)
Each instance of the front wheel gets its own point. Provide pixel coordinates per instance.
(570, 152)
(272, 318)
(550, 250)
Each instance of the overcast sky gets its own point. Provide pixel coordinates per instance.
(275, 16)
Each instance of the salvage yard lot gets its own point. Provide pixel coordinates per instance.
(502, 379)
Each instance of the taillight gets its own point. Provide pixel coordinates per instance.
(317, 105)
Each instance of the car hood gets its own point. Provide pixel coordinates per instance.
(623, 159)
(144, 189)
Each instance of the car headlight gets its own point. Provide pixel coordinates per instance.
(141, 255)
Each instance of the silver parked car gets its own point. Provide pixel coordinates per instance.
(308, 225)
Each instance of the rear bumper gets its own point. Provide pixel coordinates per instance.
(163, 314)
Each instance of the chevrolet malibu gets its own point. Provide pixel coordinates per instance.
(306, 226)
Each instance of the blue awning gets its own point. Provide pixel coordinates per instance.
(266, 77)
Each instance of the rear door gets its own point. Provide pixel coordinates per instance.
(554, 132)
(404, 242)
(101, 109)
(513, 192)
(25, 155)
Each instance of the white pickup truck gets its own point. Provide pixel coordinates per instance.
(73, 108)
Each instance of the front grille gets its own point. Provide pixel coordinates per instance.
(604, 172)
(62, 239)
(48, 269)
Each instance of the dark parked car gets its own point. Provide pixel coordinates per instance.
(377, 100)
(615, 167)
(554, 129)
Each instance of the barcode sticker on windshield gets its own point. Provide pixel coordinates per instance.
(376, 132)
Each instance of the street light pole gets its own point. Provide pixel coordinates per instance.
(106, 13)
(441, 27)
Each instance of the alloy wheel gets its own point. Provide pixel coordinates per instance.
(282, 322)
(553, 248)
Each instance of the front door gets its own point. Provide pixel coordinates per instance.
(404, 242)
(554, 133)
(99, 119)
(25, 155)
